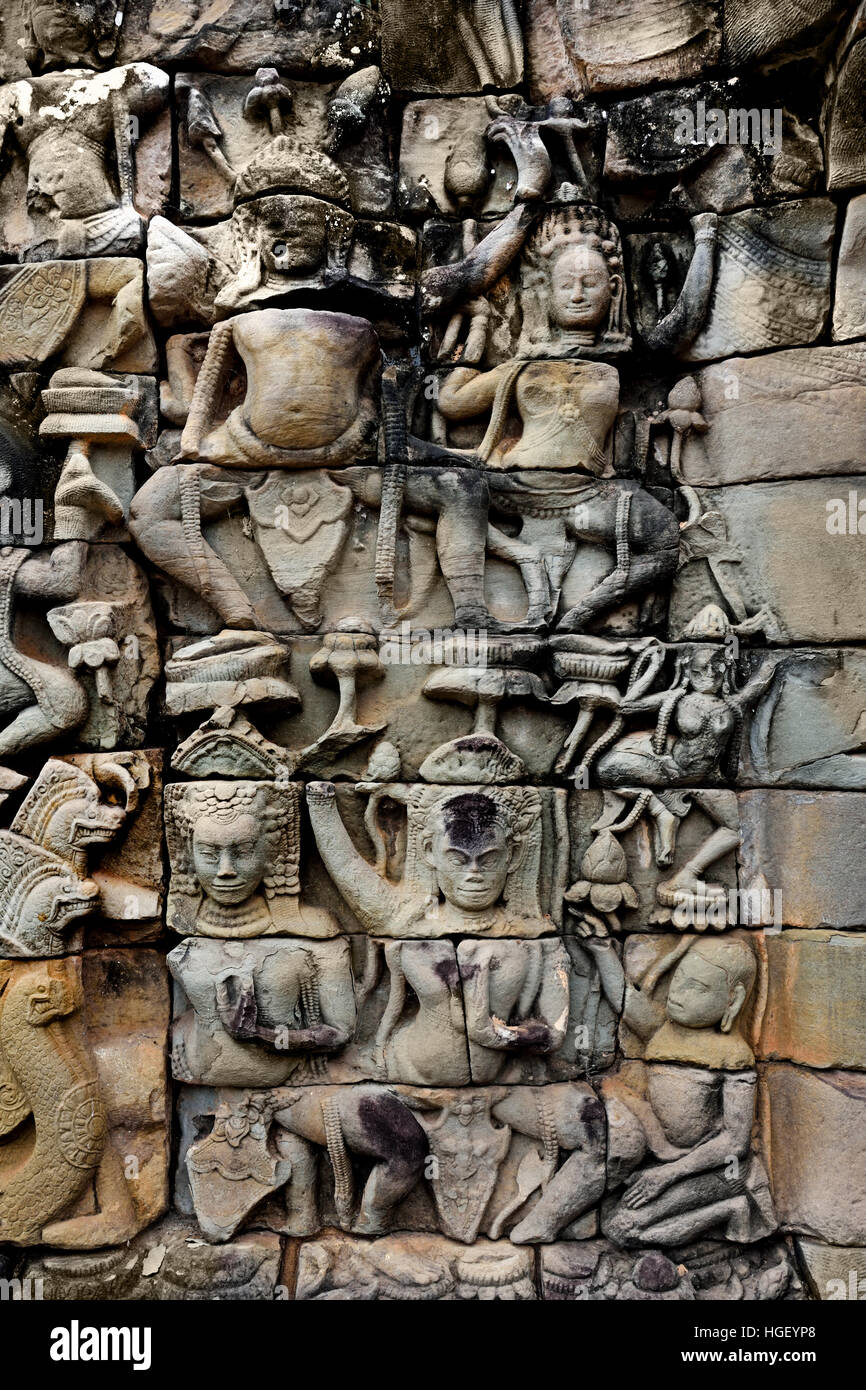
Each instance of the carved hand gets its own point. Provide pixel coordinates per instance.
(177, 268)
(594, 932)
(646, 1186)
(534, 1033)
(237, 1008)
(705, 224)
(322, 1037)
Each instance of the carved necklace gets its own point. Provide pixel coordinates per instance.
(244, 919)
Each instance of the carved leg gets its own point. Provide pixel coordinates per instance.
(572, 1190)
(684, 1211)
(721, 808)
(665, 825)
(156, 520)
(570, 1117)
(459, 499)
(31, 726)
(378, 1125)
(301, 1191)
(532, 572)
(115, 281)
(574, 740)
(372, 1123)
(652, 531)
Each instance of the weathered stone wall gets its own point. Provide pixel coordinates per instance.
(431, 649)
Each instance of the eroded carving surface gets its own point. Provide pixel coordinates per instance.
(432, 697)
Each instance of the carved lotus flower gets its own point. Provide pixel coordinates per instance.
(83, 622)
(89, 630)
(352, 648)
(605, 877)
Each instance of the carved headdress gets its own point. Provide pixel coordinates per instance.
(571, 224)
(276, 810)
(284, 165)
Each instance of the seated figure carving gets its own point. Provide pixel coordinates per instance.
(680, 1145)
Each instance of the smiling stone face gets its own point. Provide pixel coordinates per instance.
(230, 856)
(580, 289)
(470, 852)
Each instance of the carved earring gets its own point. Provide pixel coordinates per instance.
(731, 1013)
(614, 318)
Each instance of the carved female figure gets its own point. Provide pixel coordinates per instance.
(472, 866)
(234, 849)
(572, 300)
(262, 1013)
(700, 716)
(425, 1045)
(697, 737)
(693, 1119)
(516, 995)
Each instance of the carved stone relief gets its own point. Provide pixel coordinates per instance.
(81, 1048)
(87, 160)
(432, 702)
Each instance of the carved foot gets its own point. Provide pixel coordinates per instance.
(686, 885)
(534, 1229)
(478, 619)
(86, 1232)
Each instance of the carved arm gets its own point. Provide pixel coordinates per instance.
(373, 901)
(442, 286)
(637, 1007)
(238, 1013)
(677, 329)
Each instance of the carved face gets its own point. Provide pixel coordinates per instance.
(699, 993)
(49, 999)
(58, 900)
(63, 30)
(293, 234)
(471, 853)
(277, 239)
(581, 288)
(67, 180)
(290, 234)
(229, 857)
(706, 671)
(87, 821)
(657, 262)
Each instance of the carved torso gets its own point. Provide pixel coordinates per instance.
(551, 398)
(304, 374)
